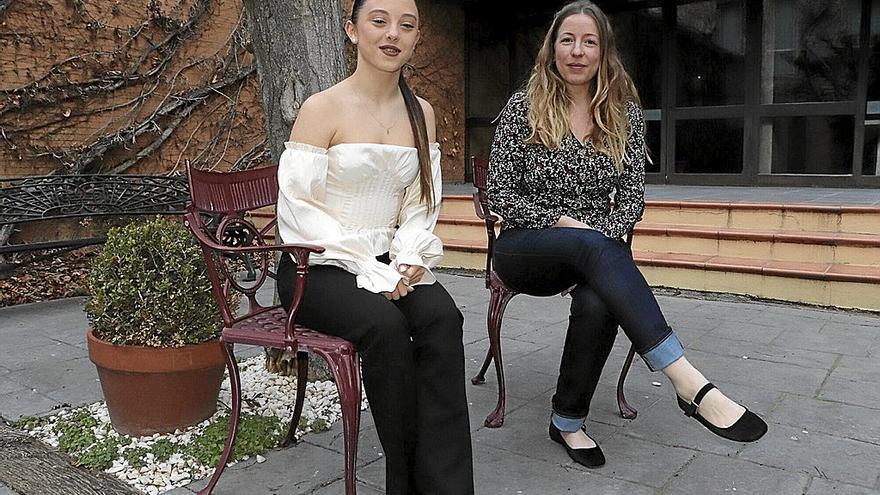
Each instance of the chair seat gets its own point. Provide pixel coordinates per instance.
(266, 329)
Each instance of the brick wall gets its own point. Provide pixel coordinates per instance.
(37, 36)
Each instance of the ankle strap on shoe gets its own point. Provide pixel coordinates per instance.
(691, 409)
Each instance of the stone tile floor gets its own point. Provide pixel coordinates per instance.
(813, 373)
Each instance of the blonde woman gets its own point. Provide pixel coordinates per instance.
(563, 146)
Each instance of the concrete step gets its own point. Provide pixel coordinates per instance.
(777, 245)
(468, 228)
(770, 216)
(458, 205)
(770, 245)
(767, 216)
(827, 255)
(261, 218)
(462, 253)
(826, 284)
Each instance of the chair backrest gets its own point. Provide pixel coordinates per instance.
(480, 167)
(481, 176)
(481, 173)
(227, 192)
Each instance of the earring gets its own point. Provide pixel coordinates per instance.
(354, 41)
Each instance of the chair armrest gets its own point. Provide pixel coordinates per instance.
(213, 245)
(481, 210)
(300, 254)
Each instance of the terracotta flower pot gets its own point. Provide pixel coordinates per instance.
(158, 390)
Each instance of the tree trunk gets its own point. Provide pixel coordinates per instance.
(299, 47)
(5, 234)
(31, 468)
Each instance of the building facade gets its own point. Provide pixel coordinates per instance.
(747, 92)
(736, 92)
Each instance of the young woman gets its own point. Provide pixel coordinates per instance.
(361, 177)
(563, 146)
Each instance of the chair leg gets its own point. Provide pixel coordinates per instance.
(480, 377)
(626, 411)
(497, 304)
(346, 373)
(302, 377)
(235, 382)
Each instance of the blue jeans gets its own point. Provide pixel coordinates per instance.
(610, 292)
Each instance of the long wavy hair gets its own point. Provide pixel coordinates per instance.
(417, 122)
(549, 101)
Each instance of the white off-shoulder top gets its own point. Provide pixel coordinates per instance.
(358, 201)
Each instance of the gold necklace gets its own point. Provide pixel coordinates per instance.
(372, 116)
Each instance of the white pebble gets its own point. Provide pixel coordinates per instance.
(273, 396)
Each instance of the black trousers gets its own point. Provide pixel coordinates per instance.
(412, 364)
(610, 291)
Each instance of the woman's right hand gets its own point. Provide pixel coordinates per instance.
(402, 290)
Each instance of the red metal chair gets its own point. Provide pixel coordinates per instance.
(501, 295)
(227, 197)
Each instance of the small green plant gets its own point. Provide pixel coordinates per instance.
(149, 287)
(319, 425)
(136, 457)
(100, 455)
(75, 432)
(163, 449)
(256, 435)
(28, 423)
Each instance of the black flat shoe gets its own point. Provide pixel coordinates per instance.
(591, 457)
(748, 428)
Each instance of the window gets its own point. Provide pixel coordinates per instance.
(808, 145)
(810, 51)
(639, 38)
(709, 146)
(710, 53)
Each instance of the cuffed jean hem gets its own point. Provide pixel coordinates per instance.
(663, 354)
(568, 425)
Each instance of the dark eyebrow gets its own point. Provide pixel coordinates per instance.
(383, 11)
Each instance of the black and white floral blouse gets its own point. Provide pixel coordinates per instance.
(532, 186)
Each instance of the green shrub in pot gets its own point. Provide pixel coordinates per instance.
(149, 287)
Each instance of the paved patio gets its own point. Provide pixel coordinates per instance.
(813, 373)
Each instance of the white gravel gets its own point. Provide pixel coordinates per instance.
(263, 393)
